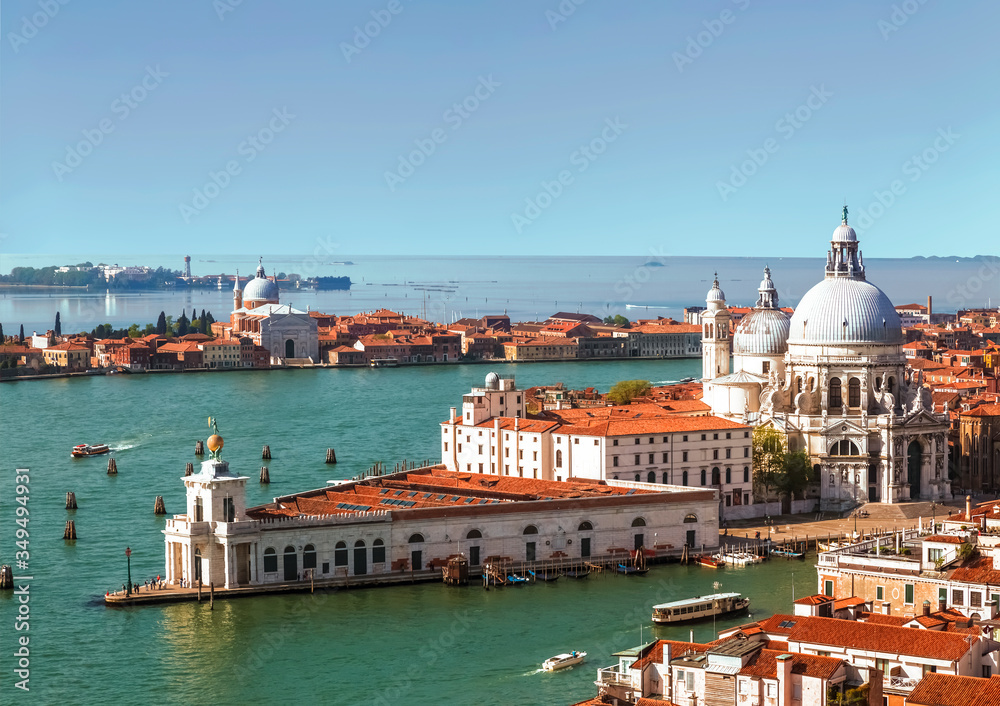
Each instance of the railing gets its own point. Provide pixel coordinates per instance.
(899, 683)
(611, 676)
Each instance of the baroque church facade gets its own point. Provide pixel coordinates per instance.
(832, 378)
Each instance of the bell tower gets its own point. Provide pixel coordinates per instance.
(715, 339)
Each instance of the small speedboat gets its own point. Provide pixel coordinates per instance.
(709, 562)
(567, 659)
(81, 450)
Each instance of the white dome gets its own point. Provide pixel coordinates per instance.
(844, 234)
(715, 294)
(260, 289)
(762, 332)
(492, 381)
(841, 310)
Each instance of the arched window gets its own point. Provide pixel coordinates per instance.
(891, 385)
(359, 544)
(416, 538)
(197, 564)
(637, 477)
(878, 384)
(746, 474)
(309, 557)
(798, 384)
(854, 393)
(690, 517)
(585, 527)
(666, 476)
(651, 477)
(729, 476)
(716, 476)
(340, 554)
(558, 458)
(836, 400)
(530, 529)
(378, 552)
(474, 534)
(270, 560)
(684, 478)
(703, 476)
(845, 448)
(638, 522)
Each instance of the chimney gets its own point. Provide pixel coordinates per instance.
(942, 604)
(968, 508)
(929, 309)
(453, 410)
(784, 670)
(927, 607)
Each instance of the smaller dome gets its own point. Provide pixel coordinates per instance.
(844, 234)
(762, 332)
(492, 381)
(715, 294)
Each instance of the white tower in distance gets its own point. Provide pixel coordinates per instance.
(714, 335)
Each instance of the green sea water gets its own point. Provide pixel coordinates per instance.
(423, 644)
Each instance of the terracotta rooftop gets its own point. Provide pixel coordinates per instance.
(872, 637)
(951, 690)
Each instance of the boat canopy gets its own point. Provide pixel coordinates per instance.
(696, 601)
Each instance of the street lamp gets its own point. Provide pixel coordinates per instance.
(933, 517)
(128, 558)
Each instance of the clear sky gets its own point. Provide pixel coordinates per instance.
(520, 127)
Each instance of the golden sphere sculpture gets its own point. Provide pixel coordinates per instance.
(214, 443)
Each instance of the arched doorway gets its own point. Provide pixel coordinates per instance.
(914, 457)
(291, 564)
(360, 558)
(289, 348)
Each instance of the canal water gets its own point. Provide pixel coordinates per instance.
(415, 644)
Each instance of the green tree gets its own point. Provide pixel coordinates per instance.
(161, 324)
(203, 323)
(150, 328)
(616, 320)
(627, 390)
(20, 336)
(133, 331)
(2, 339)
(768, 457)
(58, 326)
(795, 474)
(182, 325)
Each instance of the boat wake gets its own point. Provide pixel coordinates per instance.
(123, 446)
(533, 672)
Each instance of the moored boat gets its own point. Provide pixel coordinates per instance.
(631, 570)
(790, 553)
(698, 608)
(709, 561)
(544, 575)
(516, 580)
(576, 573)
(567, 659)
(81, 450)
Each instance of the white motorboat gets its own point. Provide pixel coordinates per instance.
(567, 659)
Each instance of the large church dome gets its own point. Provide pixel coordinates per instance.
(841, 310)
(845, 308)
(260, 288)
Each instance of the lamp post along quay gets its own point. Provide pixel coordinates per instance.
(128, 559)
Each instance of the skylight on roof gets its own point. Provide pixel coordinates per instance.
(786, 624)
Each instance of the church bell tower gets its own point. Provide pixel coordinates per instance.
(715, 340)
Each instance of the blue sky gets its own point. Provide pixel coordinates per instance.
(485, 128)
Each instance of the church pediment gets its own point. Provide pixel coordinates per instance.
(842, 427)
(921, 418)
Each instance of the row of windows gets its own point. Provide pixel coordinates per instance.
(716, 476)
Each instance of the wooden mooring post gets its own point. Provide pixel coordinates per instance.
(158, 506)
(265, 476)
(70, 532)
(188, 469)
(331, 456)
(71, 501)
(6, 577)
(112, 467)
(211, 595)
(266, 453)
(199, 590)
(199, 448)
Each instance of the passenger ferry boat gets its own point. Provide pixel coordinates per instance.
(564, 660)
(81, 450)
(698, 608)
(384, 363)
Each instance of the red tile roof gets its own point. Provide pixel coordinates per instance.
(765, 665)
(951, 690)
(872, 637)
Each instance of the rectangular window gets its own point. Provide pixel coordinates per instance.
(684, 456)
(614, 460)
(614, 442)
(480, 448)
(684, 438)
(957, 596)
(664, 456)
(651, 459)
(828, 588)
(880, 593)
(746, 452)
(715, 453)
(270, 562)
(942, 595)
(975, 599)
(908, 594)
(446, 446)
(576, 441)
(637, 459)
(638, 441)
(480, 468)
(702, 437)
(534, 455)
(727, 452)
